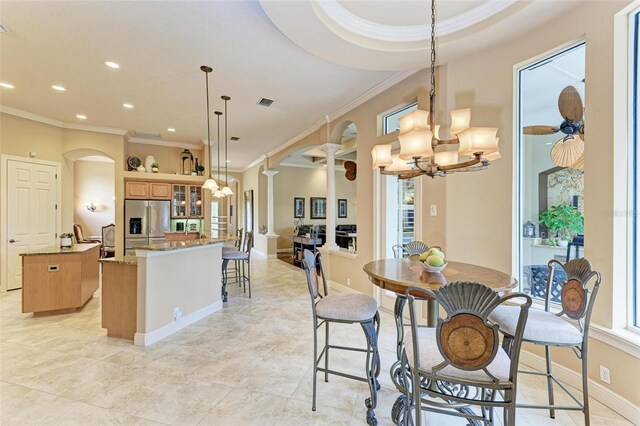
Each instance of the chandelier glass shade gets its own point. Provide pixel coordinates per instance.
(423, 152)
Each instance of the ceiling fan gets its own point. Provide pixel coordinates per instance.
(568, 151)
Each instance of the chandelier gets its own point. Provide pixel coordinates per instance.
(422, 152)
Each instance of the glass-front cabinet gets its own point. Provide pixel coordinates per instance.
(186, 201)
(195, 201)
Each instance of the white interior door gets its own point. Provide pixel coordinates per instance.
(31, 213)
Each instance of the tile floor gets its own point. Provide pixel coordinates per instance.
(248, 364)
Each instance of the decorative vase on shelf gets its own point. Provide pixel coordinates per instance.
(66, 240)
(148, 162)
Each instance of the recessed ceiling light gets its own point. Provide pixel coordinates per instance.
(58, 88)
(7, 86)
(128, 106)
(81, 116)
(112, 65)
(171, 129)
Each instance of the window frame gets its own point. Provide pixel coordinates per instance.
(395, 111)
(633, 322)
(518, 184)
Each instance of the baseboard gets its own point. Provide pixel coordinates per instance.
(617, 403)
(341, 288)
(285, 250)
(147, 339)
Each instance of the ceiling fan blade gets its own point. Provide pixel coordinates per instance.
(570, 104)
(579, 165)
(567, 151)
(540, 130)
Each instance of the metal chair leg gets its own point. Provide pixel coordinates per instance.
(326, 352)
(315, 362)
(372, 355)
(552, 412)
(225, 276)
(249, 276)
(585, 388)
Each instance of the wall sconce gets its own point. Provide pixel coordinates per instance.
(92, 207)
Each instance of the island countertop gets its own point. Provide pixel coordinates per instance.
(74, 249)
(177, 245)
(125, 260)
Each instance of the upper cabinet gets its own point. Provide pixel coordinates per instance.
(186, 201)
(137, 190)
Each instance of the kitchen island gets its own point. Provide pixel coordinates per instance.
(177, 284)
(59, 280)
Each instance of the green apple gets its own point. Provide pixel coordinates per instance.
(423, 256)
(435, 261)
(435, 252)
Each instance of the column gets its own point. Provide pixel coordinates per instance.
(270, 215)
(331, 149)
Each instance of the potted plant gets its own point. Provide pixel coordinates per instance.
(563, 221)
(66, 240)
(155, 167)
(200, 170)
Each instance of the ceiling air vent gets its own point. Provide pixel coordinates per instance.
(266, 102)
(234, 138)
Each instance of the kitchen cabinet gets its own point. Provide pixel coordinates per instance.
(136, 190)
(159, 191)
(186, 201)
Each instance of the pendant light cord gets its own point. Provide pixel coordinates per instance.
(226, 167)
(432, 93)
(206, 74)
(218, 146)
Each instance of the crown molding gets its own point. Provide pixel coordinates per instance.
(359, 26)
(61, 124)
(174, 144)
(369, 94)
(311, 166)
(255, 162)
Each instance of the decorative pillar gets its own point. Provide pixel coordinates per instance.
(270, 215)
(331, 149)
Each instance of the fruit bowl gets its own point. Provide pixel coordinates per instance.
(430, 268)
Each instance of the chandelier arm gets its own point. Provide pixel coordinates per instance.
(439, 142)
(464, 165)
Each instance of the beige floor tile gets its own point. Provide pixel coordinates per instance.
(243, 407)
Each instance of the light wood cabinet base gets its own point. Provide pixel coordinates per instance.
(119, 299)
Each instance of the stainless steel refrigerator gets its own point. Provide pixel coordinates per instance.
(145, 223)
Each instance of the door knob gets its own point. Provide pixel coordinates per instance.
(13, 241)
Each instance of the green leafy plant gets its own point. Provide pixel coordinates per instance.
(67, 235)
(156, 165)
(563, 220)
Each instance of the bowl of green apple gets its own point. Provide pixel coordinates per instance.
(433, 260)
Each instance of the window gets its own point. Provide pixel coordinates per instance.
(550, 192)
(634, 174)
(400, 212)
(391, 122)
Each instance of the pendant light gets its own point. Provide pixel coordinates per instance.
(218, 193)
(226, 190)
(210, 183)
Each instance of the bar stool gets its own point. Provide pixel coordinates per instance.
(349, 309)
(548, 329)
(237, 246)
(243, 257)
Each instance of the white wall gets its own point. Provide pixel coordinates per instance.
(292, 182)
(93, 181)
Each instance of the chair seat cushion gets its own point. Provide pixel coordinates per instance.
(234, 255)
(541, 326)
(347, 307)
(430, 357)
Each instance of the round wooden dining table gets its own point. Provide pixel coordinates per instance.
(397, 275)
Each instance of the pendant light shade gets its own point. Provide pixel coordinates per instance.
(398, 164)
(381, 156)
(218, 193)
(415, 135)
(445, 158)
(210, 183)
(460, 120)
(478, 139)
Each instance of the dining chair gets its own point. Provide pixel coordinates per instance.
(548, 328)
(460, 363)
(410, 249)
(77, 232)
(108, 248)
(347, 309)
(244, 258)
